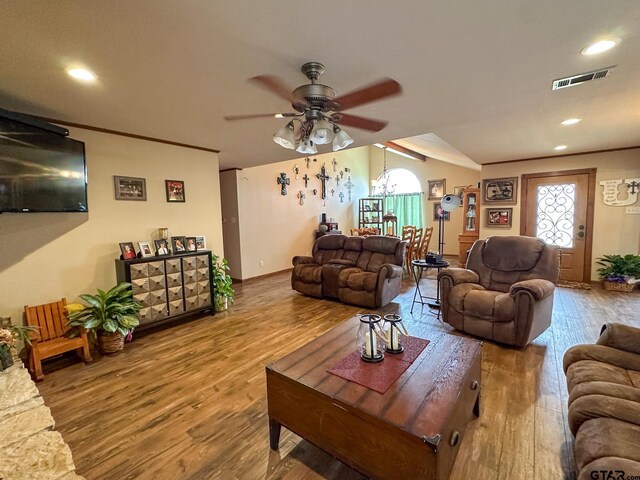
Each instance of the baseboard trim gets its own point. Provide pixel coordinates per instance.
(260, 277)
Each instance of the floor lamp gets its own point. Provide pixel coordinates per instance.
(448, 203)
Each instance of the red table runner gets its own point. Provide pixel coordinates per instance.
(379, 376)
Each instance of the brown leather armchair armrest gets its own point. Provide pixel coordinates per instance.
(459, 275)
(621, 337)
(389, 270)
(537, 287)
(299, 259)
(600, 353)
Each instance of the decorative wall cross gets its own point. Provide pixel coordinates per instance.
(306, 179)
(301, 196)
(283, 181)
(308, 160)
(341, 174)
(334, 162)
(633, 185)
(323, 177)
(296, 170)
(349, 184)
(315, 191)
(341, 195)
(337, 180)
(332, 192)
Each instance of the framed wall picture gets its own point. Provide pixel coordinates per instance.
(178, 244)
(162, 247)
(459, 191)
(130, 188)
(191, 244)
(174, 190)
(437, 189)
(499, 217)
(201, 243)
(438, 212)
(127, 250)
(145, 249)
(500, 191)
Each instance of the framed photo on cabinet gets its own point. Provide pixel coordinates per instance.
(145, 249)
(127, 250)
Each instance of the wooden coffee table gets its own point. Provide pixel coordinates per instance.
(413, 430)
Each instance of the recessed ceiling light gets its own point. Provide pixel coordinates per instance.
(82, 74)
(599, 47)
(560, 147)
(571, 121)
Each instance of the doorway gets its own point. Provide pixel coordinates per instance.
(557, 207)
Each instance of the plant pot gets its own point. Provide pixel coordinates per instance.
(6, 358)
(618, 286)
(221, 303)
(111, 342)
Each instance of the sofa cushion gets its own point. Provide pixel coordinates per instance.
(473, 300)
(308, 272)
(595, 371)
(363, 281)
(607, 437)
(344, 275)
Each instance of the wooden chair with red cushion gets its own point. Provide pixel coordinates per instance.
(50, 340)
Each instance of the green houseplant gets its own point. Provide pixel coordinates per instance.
(112, 315)
(223, 294)
(619, 272)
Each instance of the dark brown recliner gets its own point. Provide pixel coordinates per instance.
(505, 293)
(365, 271)
(604, 401)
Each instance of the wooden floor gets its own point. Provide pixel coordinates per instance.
(188, 402)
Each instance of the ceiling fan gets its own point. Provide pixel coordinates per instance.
(319, 111)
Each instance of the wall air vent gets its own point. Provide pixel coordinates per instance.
(581, 78)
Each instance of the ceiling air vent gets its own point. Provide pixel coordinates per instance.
(581, 78)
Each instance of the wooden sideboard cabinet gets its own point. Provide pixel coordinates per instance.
(169, 287)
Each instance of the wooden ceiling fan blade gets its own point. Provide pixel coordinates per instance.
(277, 86)
(359, 122)
(260, 115)
(383, 88)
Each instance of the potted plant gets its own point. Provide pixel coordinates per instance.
(111, 315)
(223, 294)
(8, 336)
(618, 272)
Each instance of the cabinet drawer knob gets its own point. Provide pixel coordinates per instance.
(455, 438)
(474, 385)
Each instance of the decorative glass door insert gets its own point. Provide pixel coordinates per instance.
(555, 214)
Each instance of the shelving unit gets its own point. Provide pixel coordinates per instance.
(470, 223)
(370, 212)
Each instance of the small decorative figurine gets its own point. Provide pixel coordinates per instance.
(283, 181)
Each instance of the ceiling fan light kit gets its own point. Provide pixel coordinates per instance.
(319, 111)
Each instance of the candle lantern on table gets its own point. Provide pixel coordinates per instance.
(394, 329)
(390, 224)
(369, 340)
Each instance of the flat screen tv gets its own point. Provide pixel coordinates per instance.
(40, 171)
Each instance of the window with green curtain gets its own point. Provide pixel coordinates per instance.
(407, 207)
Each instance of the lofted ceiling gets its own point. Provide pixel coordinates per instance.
(475, 73)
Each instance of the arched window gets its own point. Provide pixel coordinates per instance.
(398, 180)
(403, 195)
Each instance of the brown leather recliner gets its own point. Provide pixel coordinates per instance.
(365, 271)
(505, 293)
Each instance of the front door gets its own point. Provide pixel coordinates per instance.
(558, 208)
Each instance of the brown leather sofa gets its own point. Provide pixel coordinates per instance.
(505, 293)
(604, 403)
(365, 271)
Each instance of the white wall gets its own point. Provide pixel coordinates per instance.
(274, 228)
(614, 231)
(47, 256)
(430, 169)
